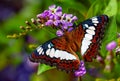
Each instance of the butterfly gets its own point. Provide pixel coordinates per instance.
(61, 51)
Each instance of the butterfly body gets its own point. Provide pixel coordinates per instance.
(61, 51)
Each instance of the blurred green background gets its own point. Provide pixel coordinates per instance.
(14, 63)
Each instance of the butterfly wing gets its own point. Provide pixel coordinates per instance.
(93, 33)
(60, 51)
(57, 52)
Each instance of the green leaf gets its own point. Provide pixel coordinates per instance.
(76, 12)
(110, 35)
(42, 68)
(96, 8)
(111, 9)
(100, 79)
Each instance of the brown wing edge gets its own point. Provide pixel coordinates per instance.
(95, 47)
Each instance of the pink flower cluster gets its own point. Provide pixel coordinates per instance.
(54, 17)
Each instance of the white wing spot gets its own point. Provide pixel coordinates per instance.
(88, 36)
(38, 48)
(48, 52)
(95, 24)
(57, 54)
(94, 19)
(92, 28)
(85, 46)
(86, 25)
(40, 52)
(49, 46)
(64, 55)
(70, 57)
(43, 53)
(52, 52)
(92, 32)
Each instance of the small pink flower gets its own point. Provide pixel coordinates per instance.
(111, 45)
(81, 71)
(54, 17)
(57, 11)
(59, 32)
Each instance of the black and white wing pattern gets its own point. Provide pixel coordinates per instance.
(93, 33)
(61, 51)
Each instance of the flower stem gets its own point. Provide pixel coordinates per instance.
(73, 77)
(80, 78)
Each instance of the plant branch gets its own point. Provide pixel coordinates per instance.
(74, 78)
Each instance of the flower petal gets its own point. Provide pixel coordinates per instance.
(64, 27)
(45, 14)
(51, 17)
(58, 13)
(39, 15)
(81, 71)
(56, 17)
(59, 32)
(49, 23)
(59, 9)
(56, 23)
(111, 45)
(69, 24)
(68, 16)
(70, 29)
(74, 19)
(52, 7)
